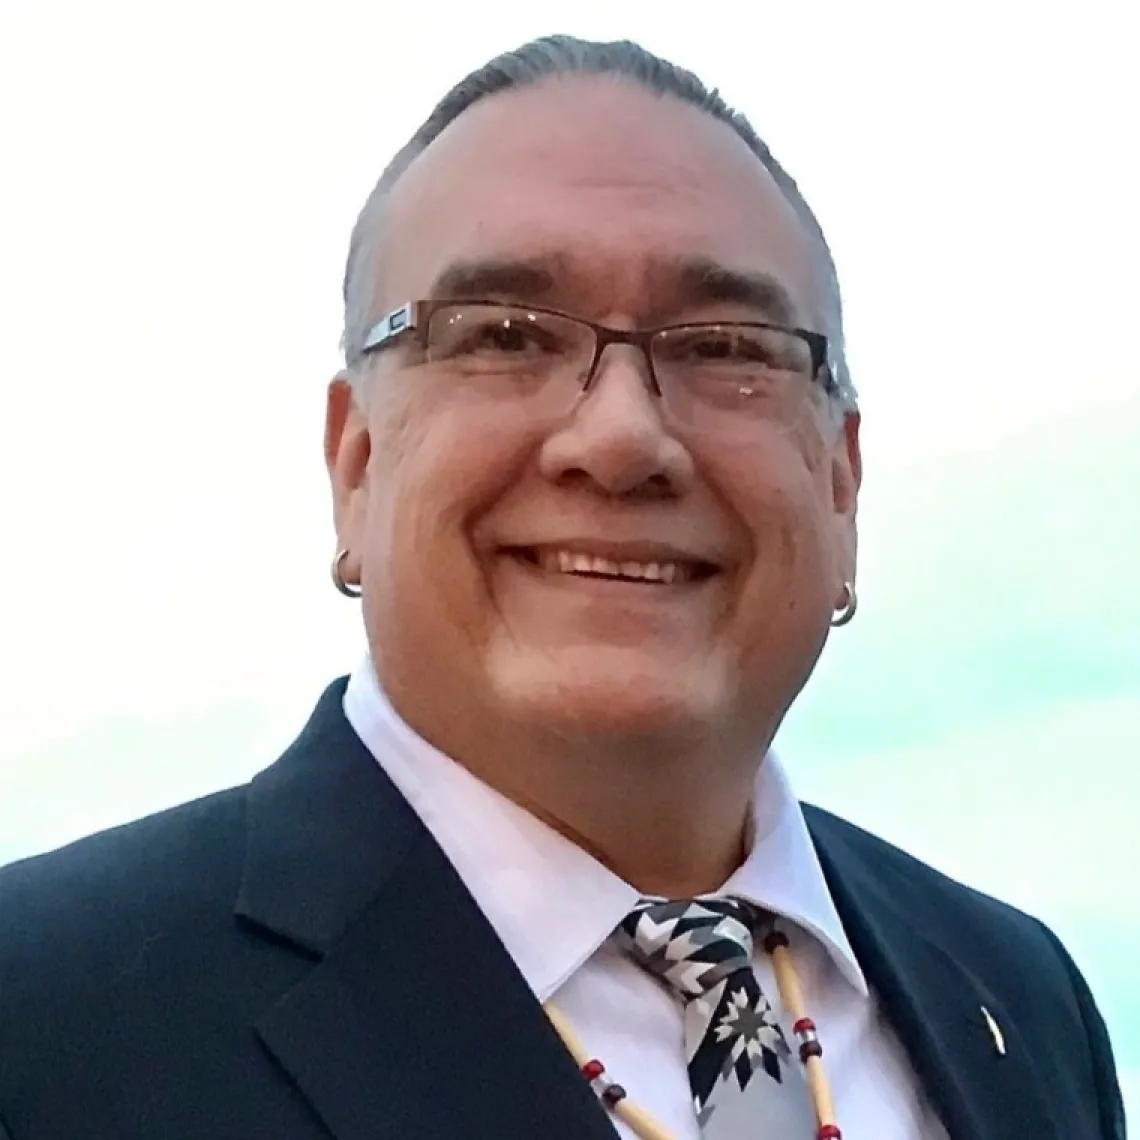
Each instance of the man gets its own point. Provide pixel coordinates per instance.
(595, 462)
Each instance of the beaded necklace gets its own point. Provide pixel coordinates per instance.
(614, 1097)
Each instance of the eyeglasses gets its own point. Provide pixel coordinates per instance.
(703, 372)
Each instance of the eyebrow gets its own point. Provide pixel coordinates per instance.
(678, 283)
(518, 280)
(701, 281)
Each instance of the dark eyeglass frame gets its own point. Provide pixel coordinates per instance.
(413, 319)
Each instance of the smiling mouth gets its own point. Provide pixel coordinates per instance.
(575, 563)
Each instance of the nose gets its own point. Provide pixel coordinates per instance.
(616, 440)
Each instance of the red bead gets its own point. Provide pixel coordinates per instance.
(591, 1070)
(804, 1025)
(829, 1132)
(775, 940)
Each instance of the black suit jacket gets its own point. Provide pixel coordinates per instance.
(296, 960)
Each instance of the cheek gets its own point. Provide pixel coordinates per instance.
(779, 487)
(776, 481)
(800, 471)
(807, 437)
(435, 470)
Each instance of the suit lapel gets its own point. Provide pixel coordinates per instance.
(935, 1004)
(413, 1020)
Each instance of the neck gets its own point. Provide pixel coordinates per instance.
(657, 838)
(671, 820)
(672, 825)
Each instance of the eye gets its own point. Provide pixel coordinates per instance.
(735, 347)
(497, 335)
(510, 336)
(713, 345)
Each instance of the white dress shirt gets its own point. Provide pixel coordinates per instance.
(554, 908)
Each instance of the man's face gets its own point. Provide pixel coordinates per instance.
(470, 516)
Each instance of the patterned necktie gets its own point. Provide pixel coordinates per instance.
(740, 1066)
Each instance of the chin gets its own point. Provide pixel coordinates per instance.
(612, 693)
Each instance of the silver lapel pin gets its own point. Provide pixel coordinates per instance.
(995, 1031)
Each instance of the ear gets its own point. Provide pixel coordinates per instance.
(847, 465)
(846, 479)
(348, 447)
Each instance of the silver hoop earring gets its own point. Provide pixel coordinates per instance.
(338, 576)
(847, 612)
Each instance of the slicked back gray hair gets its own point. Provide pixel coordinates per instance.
(546, 58)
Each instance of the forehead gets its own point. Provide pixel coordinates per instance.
(601, 179)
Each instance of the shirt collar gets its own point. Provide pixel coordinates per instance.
(552, 904)
(782, 872)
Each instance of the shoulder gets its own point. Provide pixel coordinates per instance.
(999, 944)
(109, 945)
(89, 907)
(932, 897)
(162, 846)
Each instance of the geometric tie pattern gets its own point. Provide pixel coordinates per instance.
(743, 1079)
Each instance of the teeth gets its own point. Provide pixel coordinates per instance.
(574, 562)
